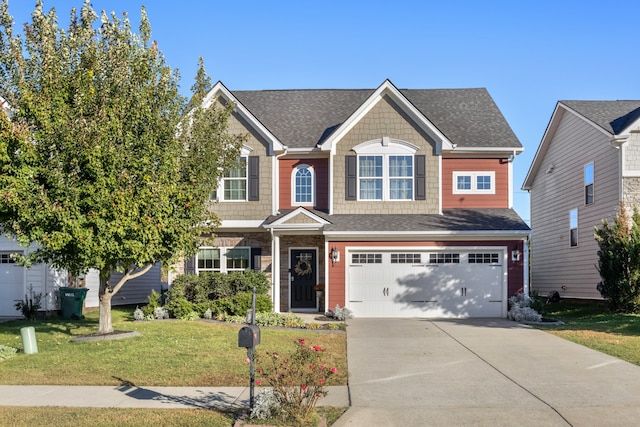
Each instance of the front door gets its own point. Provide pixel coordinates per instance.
(303, 278)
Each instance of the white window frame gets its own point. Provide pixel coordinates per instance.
(223, 251)
(294, 187)
(474, 182)
(386, 148)
(218, 193)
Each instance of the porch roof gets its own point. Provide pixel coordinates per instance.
(451, 221)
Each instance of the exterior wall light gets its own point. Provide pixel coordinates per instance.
(335, 255)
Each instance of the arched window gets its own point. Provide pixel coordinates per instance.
(302, 191)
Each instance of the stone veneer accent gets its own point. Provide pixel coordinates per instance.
(386, 119)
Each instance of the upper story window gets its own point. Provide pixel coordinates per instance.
(588, 183)
(385, 170)
(573, 227)
(474, 182)
(303, 186)
(241, 182)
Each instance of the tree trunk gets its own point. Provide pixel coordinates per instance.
(105, 326)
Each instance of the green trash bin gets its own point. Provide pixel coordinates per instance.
(71, 301)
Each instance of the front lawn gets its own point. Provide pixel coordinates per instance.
(167, 352)
(591, 324)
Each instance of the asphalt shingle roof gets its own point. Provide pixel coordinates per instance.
(612, 116)
(304, 118)
(451, 220)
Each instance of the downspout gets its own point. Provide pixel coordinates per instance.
(525, 265)
(275, 240)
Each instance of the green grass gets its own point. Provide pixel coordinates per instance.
(104, 417)
(167, 353)
(591, 324)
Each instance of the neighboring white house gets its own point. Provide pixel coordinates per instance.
(15, 282)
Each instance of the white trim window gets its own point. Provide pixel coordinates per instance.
(223, 259)
(303, 186)
(385, 170)
(474, 182)
(588, 183)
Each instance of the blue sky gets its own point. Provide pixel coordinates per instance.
(528, 54)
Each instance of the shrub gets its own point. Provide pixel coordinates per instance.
(619, 261)
(521, 310)
(298, 381)
(265, 406)
(342, 313)
(238, 304)
(138, 314)
(153, 302)
(30, 305)
(179, 307)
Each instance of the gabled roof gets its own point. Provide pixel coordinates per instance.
(308, 118)
(612, 118)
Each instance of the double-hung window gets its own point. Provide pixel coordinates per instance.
(223, 259)
(234, 181)
(588, 183)
(385, 170)
(474, 182)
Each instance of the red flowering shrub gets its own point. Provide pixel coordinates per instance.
(298, 380)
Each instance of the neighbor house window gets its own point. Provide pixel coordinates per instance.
(573, 227)
(588, 183)
(223, 259)
(303, 186)
(474, 182)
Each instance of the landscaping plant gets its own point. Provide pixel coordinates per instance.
(619, 261)
(298, 380)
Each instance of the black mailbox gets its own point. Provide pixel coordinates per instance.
(249, 336)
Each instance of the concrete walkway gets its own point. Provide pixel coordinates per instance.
(482, 372)
(143, 397)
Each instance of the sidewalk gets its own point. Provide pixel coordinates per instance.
(143, 397)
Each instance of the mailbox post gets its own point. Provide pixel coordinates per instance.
(249, 338)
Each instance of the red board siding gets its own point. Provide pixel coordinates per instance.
(321, 169)
(515, 269)
(498, 200)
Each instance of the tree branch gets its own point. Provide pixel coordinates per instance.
(128, 275)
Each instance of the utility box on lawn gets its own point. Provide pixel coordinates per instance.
(249, 336)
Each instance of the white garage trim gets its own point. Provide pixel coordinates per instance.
(420, 281)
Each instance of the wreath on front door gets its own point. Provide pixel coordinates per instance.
(303, 268)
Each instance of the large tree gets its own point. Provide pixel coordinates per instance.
(104, 165)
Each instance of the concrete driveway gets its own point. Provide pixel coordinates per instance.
(482, 372)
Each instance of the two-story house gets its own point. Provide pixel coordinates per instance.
(587, 163)
(396, 202)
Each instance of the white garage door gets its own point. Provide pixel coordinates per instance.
(11, 285)
(425, 284)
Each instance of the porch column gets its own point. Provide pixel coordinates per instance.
(275, 262)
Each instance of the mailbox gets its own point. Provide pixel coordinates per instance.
(249, 336)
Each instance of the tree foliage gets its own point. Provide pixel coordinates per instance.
(103, 163)
(619, 261)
